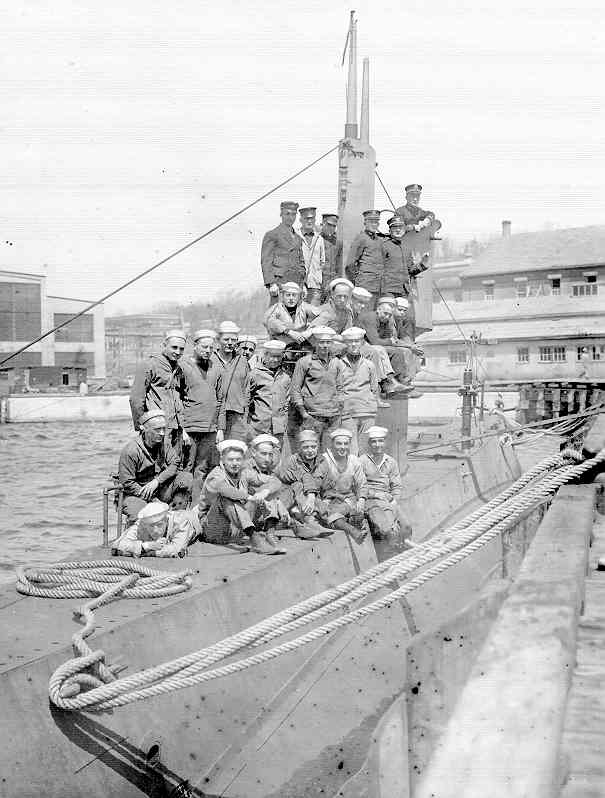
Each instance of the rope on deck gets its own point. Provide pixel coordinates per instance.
(103, 691)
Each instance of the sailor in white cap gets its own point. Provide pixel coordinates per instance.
(301, 466)
(314, 253)
(149, 468)
(202, 396)
(228, 332)
(158, 532)
(384, 488)
(336, 312)
(287, 319)
(281, 253)
(262, 480)
(228, 507)
(360, 389)
(270, 392)
(341, 487)
(159, 383)
(235, 385)
(317, 385)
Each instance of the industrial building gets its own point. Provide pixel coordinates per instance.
(131, 338)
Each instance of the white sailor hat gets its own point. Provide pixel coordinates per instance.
(153, 511)
(308, 435)
(341, 432)
(353, 334)
(203, 334)
(232, 443)
(377, 432)
(228, 327)
(277, 347)
(151, 414)
(264, 438)
(340, 281)
(322, 333)
(246, 338)
(175, 334)
(291, 286)
(361, 293)
(386, 300)
(402, 302)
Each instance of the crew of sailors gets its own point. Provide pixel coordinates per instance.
(233, 443)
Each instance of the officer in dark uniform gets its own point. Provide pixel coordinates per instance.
(414, 217)
(333, 248)
(396, 277)
(365, 261)
(281, 257)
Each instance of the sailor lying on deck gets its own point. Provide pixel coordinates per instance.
(227, 511)
(158, 532)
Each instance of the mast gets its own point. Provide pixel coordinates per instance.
(356, 156)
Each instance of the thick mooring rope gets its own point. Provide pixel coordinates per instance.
(103, 690)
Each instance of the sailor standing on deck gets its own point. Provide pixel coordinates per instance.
(270, 393)
(234, 388)
(202, 375)
(360, 390)
(149, 469)
(365, 260)
(395, 277)
(333, 247)
(227, 343)
(314, 253)
(281, 253)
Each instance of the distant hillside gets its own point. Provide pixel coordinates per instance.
(246, 309)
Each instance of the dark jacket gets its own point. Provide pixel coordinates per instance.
(296, 470)
(333, 265)
(317, 386)
(365, 261)
(159, 383)
(282, 256)
(395, 275)
(412, 214)
(377, 333)
(234, 390)
(138, 465)
(202, 397)
(269, 399)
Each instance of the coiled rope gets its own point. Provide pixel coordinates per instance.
(87, 668)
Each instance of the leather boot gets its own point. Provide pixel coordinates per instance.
(357, 535)
(392, 386)
(261, 545)
(302, 530)
(272, 541)
(320, 531)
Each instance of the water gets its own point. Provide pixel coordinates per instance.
(51, 491)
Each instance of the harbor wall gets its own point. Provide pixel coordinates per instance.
(62, 407)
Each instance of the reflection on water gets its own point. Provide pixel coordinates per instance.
(50, 494)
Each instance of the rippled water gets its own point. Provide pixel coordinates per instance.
(50, 493)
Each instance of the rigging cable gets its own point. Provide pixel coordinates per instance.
(169, 257)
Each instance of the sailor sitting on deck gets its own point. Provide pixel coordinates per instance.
(340, 484)
(227, 511)
(291, 473)
(383, 490)
(264, 484)
(149, 468)
(158, 532)
(381, 330)
(287, 319)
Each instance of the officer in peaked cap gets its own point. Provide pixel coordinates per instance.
(395, 276)
(414, 217)
(365, 260)
(333, 249)
(281, 253)
(314, 254)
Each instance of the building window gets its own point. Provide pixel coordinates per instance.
(523, 354)
(457, 357)
(555, 286)
(591, 278)
(20, 311)
(488, 292)
(521, 289)
(589, 288)
(64, 379)
(77, 331)
(552, 354)
(594, 352)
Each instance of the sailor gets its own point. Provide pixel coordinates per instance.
(246, 347)
(317, 385)
(406, 332)
(159, 384)
(232, 419)
(158, 532)
(225, 352)
(414, 217)
(149, 468)
(336, 312)
(270, 393)
(260, 476)
(380, 329)
(333, 247)
(281, 253)
(341, 487)
(287, 319)
(226, 508)
(360, 389)
(395, 277)
(361, 300)
(202, 375)
(365, 261)
(314, 254)
(384, 487)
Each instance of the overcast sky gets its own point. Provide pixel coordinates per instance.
(130, 127)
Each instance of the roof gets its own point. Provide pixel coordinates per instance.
(571, 327)
(573, 246)
(517, 308)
